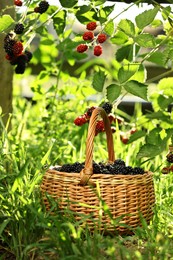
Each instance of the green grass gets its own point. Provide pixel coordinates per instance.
(41, 137)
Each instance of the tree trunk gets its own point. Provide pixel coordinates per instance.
(6, 70)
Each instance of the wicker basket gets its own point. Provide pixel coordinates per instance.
(127, 197)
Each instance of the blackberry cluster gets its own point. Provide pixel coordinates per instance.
(107, 107)
(169, 157)
(15, 52)
(42, 7)
(117, 167)
(19, 28)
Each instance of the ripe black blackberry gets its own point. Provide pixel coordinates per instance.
(118, 169)
(66, 168)
(169, 157)
(96, 168)
(119, 162)
(107, 107)
(21, 64)
(19, 28)
(8, 46)
(42, 7)
(76, 167)
(28, 55)
(137, 170)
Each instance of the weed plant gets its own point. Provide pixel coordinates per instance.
(42, 135)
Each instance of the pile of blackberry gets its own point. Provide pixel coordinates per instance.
(117, 167)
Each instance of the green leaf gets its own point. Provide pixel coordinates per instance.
(125, 52)
(127, 27)
(126, 72)
(145, 40)
(59, 21)
(109, 27)
(154, 136)
(67, 3)
(160, 116)
(148, 150)
(86, 17)
(146, 18)
(140, 74)
(5, 22)
(136, 136)
(136, 88)
(113, 92)
(99, 80)
(166, 86)
(158, 58)
(164, 102)
(119, 38)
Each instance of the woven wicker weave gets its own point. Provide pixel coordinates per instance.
(127, 196)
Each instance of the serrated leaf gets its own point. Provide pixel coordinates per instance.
(67, 3)
(5, 22)
(166, 86)
(59, 21)
(119, 38)
(109, 27)
(145, 40)
(164, 102)
(154, 136)
(160, 116)
(158, 58)
(126, 72)
(148, 150)
(136, 136)
(140, 74)
(127, 27)
(113, 92)
(99, 80)
(136, 88)
(146, 18)
(125, 52)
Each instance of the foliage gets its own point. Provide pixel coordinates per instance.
(43, 132)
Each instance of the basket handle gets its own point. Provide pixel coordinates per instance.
(87, 172)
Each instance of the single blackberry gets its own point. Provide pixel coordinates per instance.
(19, 28)
(107, 107)
(8, 46)
(169, 157)
(20, 69)
(137, 170)
(42, 7)
(119, 162)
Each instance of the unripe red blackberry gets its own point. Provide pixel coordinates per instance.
(81, 48)
(91, 26)
(80, 120)
(169, 157)
(101, 37)
(88, 36)
(19, 28)
(42, 7)
(99, 127)
(18, 2)
(98, 50)
(107, 107)
(17, 48)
